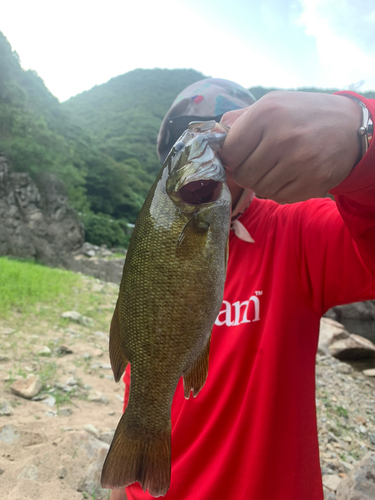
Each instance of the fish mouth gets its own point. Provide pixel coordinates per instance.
(200, 192)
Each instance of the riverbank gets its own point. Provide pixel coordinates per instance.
(54, 446)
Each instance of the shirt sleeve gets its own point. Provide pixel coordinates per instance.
(355, 198)
(336, 246)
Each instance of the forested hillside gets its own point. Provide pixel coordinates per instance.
(124, 114)
(37, 134)
(101, 143)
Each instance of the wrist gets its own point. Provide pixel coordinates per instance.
(365, 131)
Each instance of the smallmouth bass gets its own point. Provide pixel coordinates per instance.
(170, 295)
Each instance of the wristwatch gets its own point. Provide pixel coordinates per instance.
(366, 130)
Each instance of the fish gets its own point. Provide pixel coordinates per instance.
(170, 294)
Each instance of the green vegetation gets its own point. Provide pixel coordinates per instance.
(259, 92)
(101, 228)
(24, 284)
(101, 143)
(342, 412)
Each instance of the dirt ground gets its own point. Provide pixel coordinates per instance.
(54, 448)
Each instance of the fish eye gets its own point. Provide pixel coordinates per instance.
(179, 145)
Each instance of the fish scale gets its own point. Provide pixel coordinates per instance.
(170, 294)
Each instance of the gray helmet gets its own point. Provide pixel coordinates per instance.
(207, 99)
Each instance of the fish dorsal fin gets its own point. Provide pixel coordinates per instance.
(195, 377)
(116, 351)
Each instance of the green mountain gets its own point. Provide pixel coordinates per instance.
(124, 115)
(259, 92)
(101, 143)
(109, 177)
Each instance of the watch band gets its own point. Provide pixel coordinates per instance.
(366, 130)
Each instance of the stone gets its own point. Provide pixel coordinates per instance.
(7, 331)
(5, 408)
(360, 482)
(335, 340)
(102, 335)
(330, 314)
(65, 412)
(91, 429)
(369, 373)
(29, 472)
(331, 481)
(9, 434)
(63, 350)
(45, 351)
(51, 413)
(4, 358)
(77, 318)
(103, 366)
(96, 452)
(107, 437)
(36, 219)
(27, 387)
(61, 473)
(71, 381)
(49, 401)
(40, 397)
(97, 397)
(344, 368)
(357, 310)
(72, 315)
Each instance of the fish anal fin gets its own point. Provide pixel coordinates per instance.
(116, 351)
(132, 458)
(195, 377)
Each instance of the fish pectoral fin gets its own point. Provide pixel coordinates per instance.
(116, 351)
(195, 377)
(191, 234)
(133, 457)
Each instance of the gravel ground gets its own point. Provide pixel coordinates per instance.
(345, 400)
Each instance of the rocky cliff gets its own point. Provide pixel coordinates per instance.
(36, 221)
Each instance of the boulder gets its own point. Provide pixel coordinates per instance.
(357, 310)
(360, 482)
(335, 340)
(96, 451)
(98, 267)
(27, 387)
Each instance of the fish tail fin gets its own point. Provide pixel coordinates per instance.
(131, 458)
(116, 351)
(195, 377)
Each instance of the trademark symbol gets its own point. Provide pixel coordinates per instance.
(259, 292)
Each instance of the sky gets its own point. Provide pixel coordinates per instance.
(75, 45)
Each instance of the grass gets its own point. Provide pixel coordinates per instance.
(32, 294)
(24, 284)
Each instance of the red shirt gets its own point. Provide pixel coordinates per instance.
(251, 433)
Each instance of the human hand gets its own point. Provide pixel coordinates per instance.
(292, 146)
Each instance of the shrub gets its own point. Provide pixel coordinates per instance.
(100, 229)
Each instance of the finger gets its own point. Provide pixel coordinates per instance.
(231, 116)
(273, 182)
(289, 186)
(243, 137)
(260, 162)
(293, 192)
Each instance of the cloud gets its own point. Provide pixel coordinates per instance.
(344, 36)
